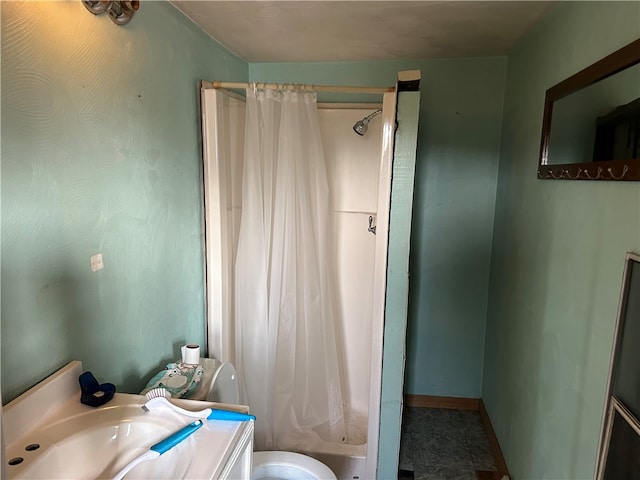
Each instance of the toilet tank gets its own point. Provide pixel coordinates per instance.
(219, 383)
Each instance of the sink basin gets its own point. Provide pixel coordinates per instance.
(73, 441)
(98, 444)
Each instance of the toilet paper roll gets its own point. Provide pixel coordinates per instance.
(191, 354)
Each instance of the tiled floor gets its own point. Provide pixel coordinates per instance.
(443, 444)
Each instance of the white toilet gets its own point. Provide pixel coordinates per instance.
(220, 384)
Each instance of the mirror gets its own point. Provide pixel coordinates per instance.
(591, 123)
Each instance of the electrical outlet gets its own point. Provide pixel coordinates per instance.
(96, 262)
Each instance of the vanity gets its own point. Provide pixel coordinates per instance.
(49, 434)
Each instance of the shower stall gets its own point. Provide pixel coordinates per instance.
(358, 145)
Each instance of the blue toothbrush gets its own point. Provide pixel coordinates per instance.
(159, 448)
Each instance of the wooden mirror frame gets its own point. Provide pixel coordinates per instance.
(617, 169)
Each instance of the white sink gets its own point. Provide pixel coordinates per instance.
(75, 441)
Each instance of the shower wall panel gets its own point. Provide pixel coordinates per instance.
(353, 164)
(223, 124)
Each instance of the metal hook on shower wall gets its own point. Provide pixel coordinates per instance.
(372, 227)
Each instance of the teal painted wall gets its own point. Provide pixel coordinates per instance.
(101, 153)
(558, 255)
(456, 175)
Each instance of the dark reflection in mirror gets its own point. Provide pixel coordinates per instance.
(591, 126)
(598, 123)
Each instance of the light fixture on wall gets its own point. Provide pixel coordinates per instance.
(96, 6)
(120, 12)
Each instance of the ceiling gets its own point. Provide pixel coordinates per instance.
(331, 31)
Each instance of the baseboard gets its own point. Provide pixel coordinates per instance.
(457, 403)
(432, 401)
(501, 464)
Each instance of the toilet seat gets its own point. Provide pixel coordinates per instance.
(288, 465)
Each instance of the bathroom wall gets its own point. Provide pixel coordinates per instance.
(101, 154)
(456, 175)
(558, 255)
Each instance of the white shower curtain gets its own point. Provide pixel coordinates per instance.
(285, 339)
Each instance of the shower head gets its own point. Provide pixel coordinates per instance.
(361, 126)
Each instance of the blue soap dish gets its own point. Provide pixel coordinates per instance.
(93, 393)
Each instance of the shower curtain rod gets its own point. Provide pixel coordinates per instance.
(302, 86)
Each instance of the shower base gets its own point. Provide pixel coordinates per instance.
(347, 460)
